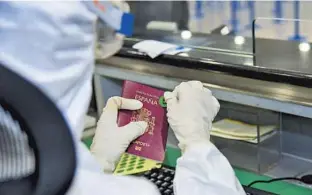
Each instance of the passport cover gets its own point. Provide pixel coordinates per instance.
(152, 143)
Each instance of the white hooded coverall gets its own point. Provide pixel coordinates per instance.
(52, 45)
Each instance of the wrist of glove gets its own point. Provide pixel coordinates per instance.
(111, 141)
(191, 109)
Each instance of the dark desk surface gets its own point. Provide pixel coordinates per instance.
(275, 60)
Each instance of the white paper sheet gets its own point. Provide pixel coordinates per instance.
(155, 48)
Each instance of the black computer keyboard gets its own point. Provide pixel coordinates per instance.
(163, 178)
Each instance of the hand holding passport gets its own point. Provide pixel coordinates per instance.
(152, 143)
(148, 150)
(111, 141)
(191, 109)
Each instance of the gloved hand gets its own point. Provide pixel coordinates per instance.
(109, 42)
(191, 110)
(111, 141)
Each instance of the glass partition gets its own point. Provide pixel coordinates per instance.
(263, 141)
(223, 31)
(284, 47)
(175, 22)
(249, 137)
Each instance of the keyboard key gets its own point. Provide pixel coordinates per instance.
(168, 179)
(167, 192)
(165, 184)
(158, 182)
(153, 180)
(167, 171)
(170, 187)
(154, 175)
(161, 189)
(161, 176)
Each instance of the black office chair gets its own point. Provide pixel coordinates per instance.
(48, 136)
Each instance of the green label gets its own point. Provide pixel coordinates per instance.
(162, 102)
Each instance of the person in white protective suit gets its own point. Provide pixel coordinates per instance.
(52, 45)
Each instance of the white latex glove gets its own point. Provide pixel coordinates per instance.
(191, 110)
(111, 141)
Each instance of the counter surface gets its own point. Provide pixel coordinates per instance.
(276, 60)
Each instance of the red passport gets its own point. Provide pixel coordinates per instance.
(152, 143)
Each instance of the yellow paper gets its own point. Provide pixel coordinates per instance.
(247, 139)
(231, 129)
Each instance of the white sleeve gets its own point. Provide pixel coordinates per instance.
(204, 170)
(91, 180)
(93, 183)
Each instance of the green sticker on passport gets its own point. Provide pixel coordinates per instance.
(162, 102)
